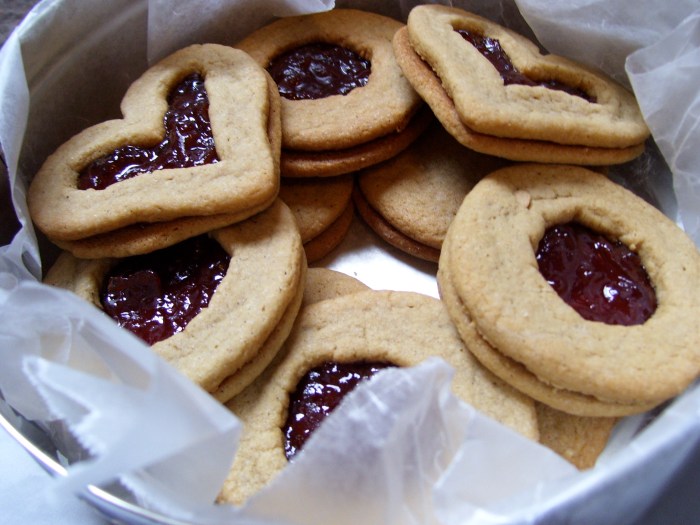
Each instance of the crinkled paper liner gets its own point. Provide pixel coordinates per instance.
(401, 449)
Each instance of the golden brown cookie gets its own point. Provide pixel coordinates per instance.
(579, 440)
(516, 121)
(520, 328)
(226, 345)
(323, 210)
(241, 111)
(401, 328)
(331, 131)
(410, 200)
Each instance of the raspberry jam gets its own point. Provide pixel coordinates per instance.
(318, 70)
(602, 280)
(188, 141)
(157, 294)
(492, 50)
(317, 394)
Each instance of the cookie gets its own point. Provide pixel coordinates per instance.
(323, 210)
(556, 111)
(396, 328)
(231, 165)
(147, 237)
(337, 119)
(410, 200)
(579, 440)
(519, 326)
(248, 316)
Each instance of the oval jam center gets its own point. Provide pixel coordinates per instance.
(318, 70)
(602, 280)
(491, 49)
(317, 394)
(188, 141)
(157, 294)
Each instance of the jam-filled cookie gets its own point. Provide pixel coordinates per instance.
(573, 290)
(323, 210)
(354, 335)
(345, 102)
(410, 200)
(496, 93)
(218, 306)
(200, 137)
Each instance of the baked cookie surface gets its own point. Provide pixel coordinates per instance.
(400, 328)
(518, 326)
(252, 310)
(243, 180)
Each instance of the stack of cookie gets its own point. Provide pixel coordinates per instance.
(346, 105)
(173, 224)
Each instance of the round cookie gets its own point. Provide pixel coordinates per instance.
(402, 328)
(517, 325)
(226, 345)
(323, 211)
(518, 122)
(244, 180)
(341, 132)
(410, 200)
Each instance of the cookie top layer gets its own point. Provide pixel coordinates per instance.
(488, 106)
(247, 172)
(402, 328)
(514, 308)
(265, 275)
(383, 106)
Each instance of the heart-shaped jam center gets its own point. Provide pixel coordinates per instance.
(188, 141)
(317, 394)
(491, 49)
(602, 280)
(157, 294)
(318, 70)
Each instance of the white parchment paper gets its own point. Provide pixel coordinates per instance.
(401, 449)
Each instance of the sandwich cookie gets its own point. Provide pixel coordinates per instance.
(496, 93)
(345, 101)
(354, 336)
(574, 290)
(217, 307)
(198, 148)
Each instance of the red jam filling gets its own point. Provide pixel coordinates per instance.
(317, 394)
(492, 50)
(157, 294)
(602, 280)
(188, 141)
(318, 70)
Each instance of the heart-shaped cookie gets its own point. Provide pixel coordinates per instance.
(233, 338)
(243, 179)
(555, 103)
